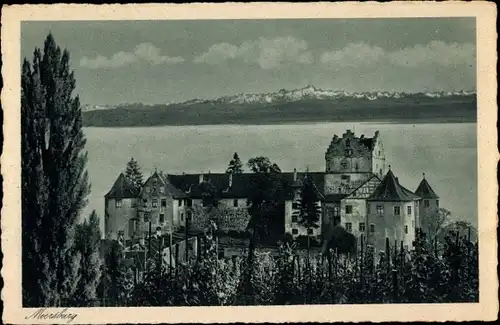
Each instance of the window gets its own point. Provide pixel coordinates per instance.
(346, 178)
(163, 202)
(162, 218)
(437, 203)
(118, 203)
(180, 203)
(397, 211)
(362, 227)
(294, 218)
(189, 202)
(372, 228)
(309, 231)
(202, 203)
(379, 152)
(146, 217)
(348, 209)
(405, 247)
(295, 205)
(426, 203)
(409, 210)
(235, 203)
(154, 203)
(343, 164)
(295, 231)
(145, 202)
(182, 217)
(189, 216)
(162, 190)
(348, 226)
(406, 229)
(380, 210)
(336, 211)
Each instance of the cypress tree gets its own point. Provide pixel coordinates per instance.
(133, 173)
(235, 165)
(87, 243)
(54, 179)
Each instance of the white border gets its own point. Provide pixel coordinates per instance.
(485, 14)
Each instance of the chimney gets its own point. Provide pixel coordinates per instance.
(295, 174)
(230, 180)
(201, 178)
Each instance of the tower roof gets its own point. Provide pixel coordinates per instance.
(390, 190)
(425, 191)
(122, 189)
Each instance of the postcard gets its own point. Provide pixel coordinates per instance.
(277, 162)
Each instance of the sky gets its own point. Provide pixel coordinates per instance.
(155, 62)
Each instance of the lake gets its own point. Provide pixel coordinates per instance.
(447, 153)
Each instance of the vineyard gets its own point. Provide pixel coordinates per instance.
(422, 275)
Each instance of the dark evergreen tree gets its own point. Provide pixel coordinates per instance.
(54, 179)
(116, 281)
(235, 165)
(309, 211)
(87, 244)
(133, 173)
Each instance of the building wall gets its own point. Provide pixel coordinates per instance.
(390, 225)
(117, 218)
(344, 183)
(356, 216)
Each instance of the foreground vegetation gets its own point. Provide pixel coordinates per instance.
(419, 276)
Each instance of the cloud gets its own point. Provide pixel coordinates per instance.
(438, 53)
(267, 53)
(143, 52)
(353, 55)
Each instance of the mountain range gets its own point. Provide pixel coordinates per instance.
(308, 104)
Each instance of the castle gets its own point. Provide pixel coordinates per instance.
(357, 191)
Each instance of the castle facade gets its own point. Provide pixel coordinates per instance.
(357, 191)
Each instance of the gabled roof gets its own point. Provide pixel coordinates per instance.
(390, 190)
(168, 186)
(425, 191)
(122, 189)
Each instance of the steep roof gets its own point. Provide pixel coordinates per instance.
(122, 189)
(168, 186)
(240, 183)
(390, 190)
(425, 191)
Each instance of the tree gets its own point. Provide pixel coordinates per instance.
(54, 180)
(133, 173)
(235, 165)
(116, 282)
(87, 243)
(309, 211)
(434, 223)
(265, 202)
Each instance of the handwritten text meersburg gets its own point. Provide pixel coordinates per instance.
(43, 314)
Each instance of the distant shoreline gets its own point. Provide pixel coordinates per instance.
(304, 122)
(402, 111)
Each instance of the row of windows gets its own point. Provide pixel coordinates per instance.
(162, 217)
(362, 227)
(295, 231)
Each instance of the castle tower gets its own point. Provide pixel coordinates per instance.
(391, 214)
(351, 154)
(428, 205)
(119, 208)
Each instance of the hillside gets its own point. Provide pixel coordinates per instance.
(302, 105)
